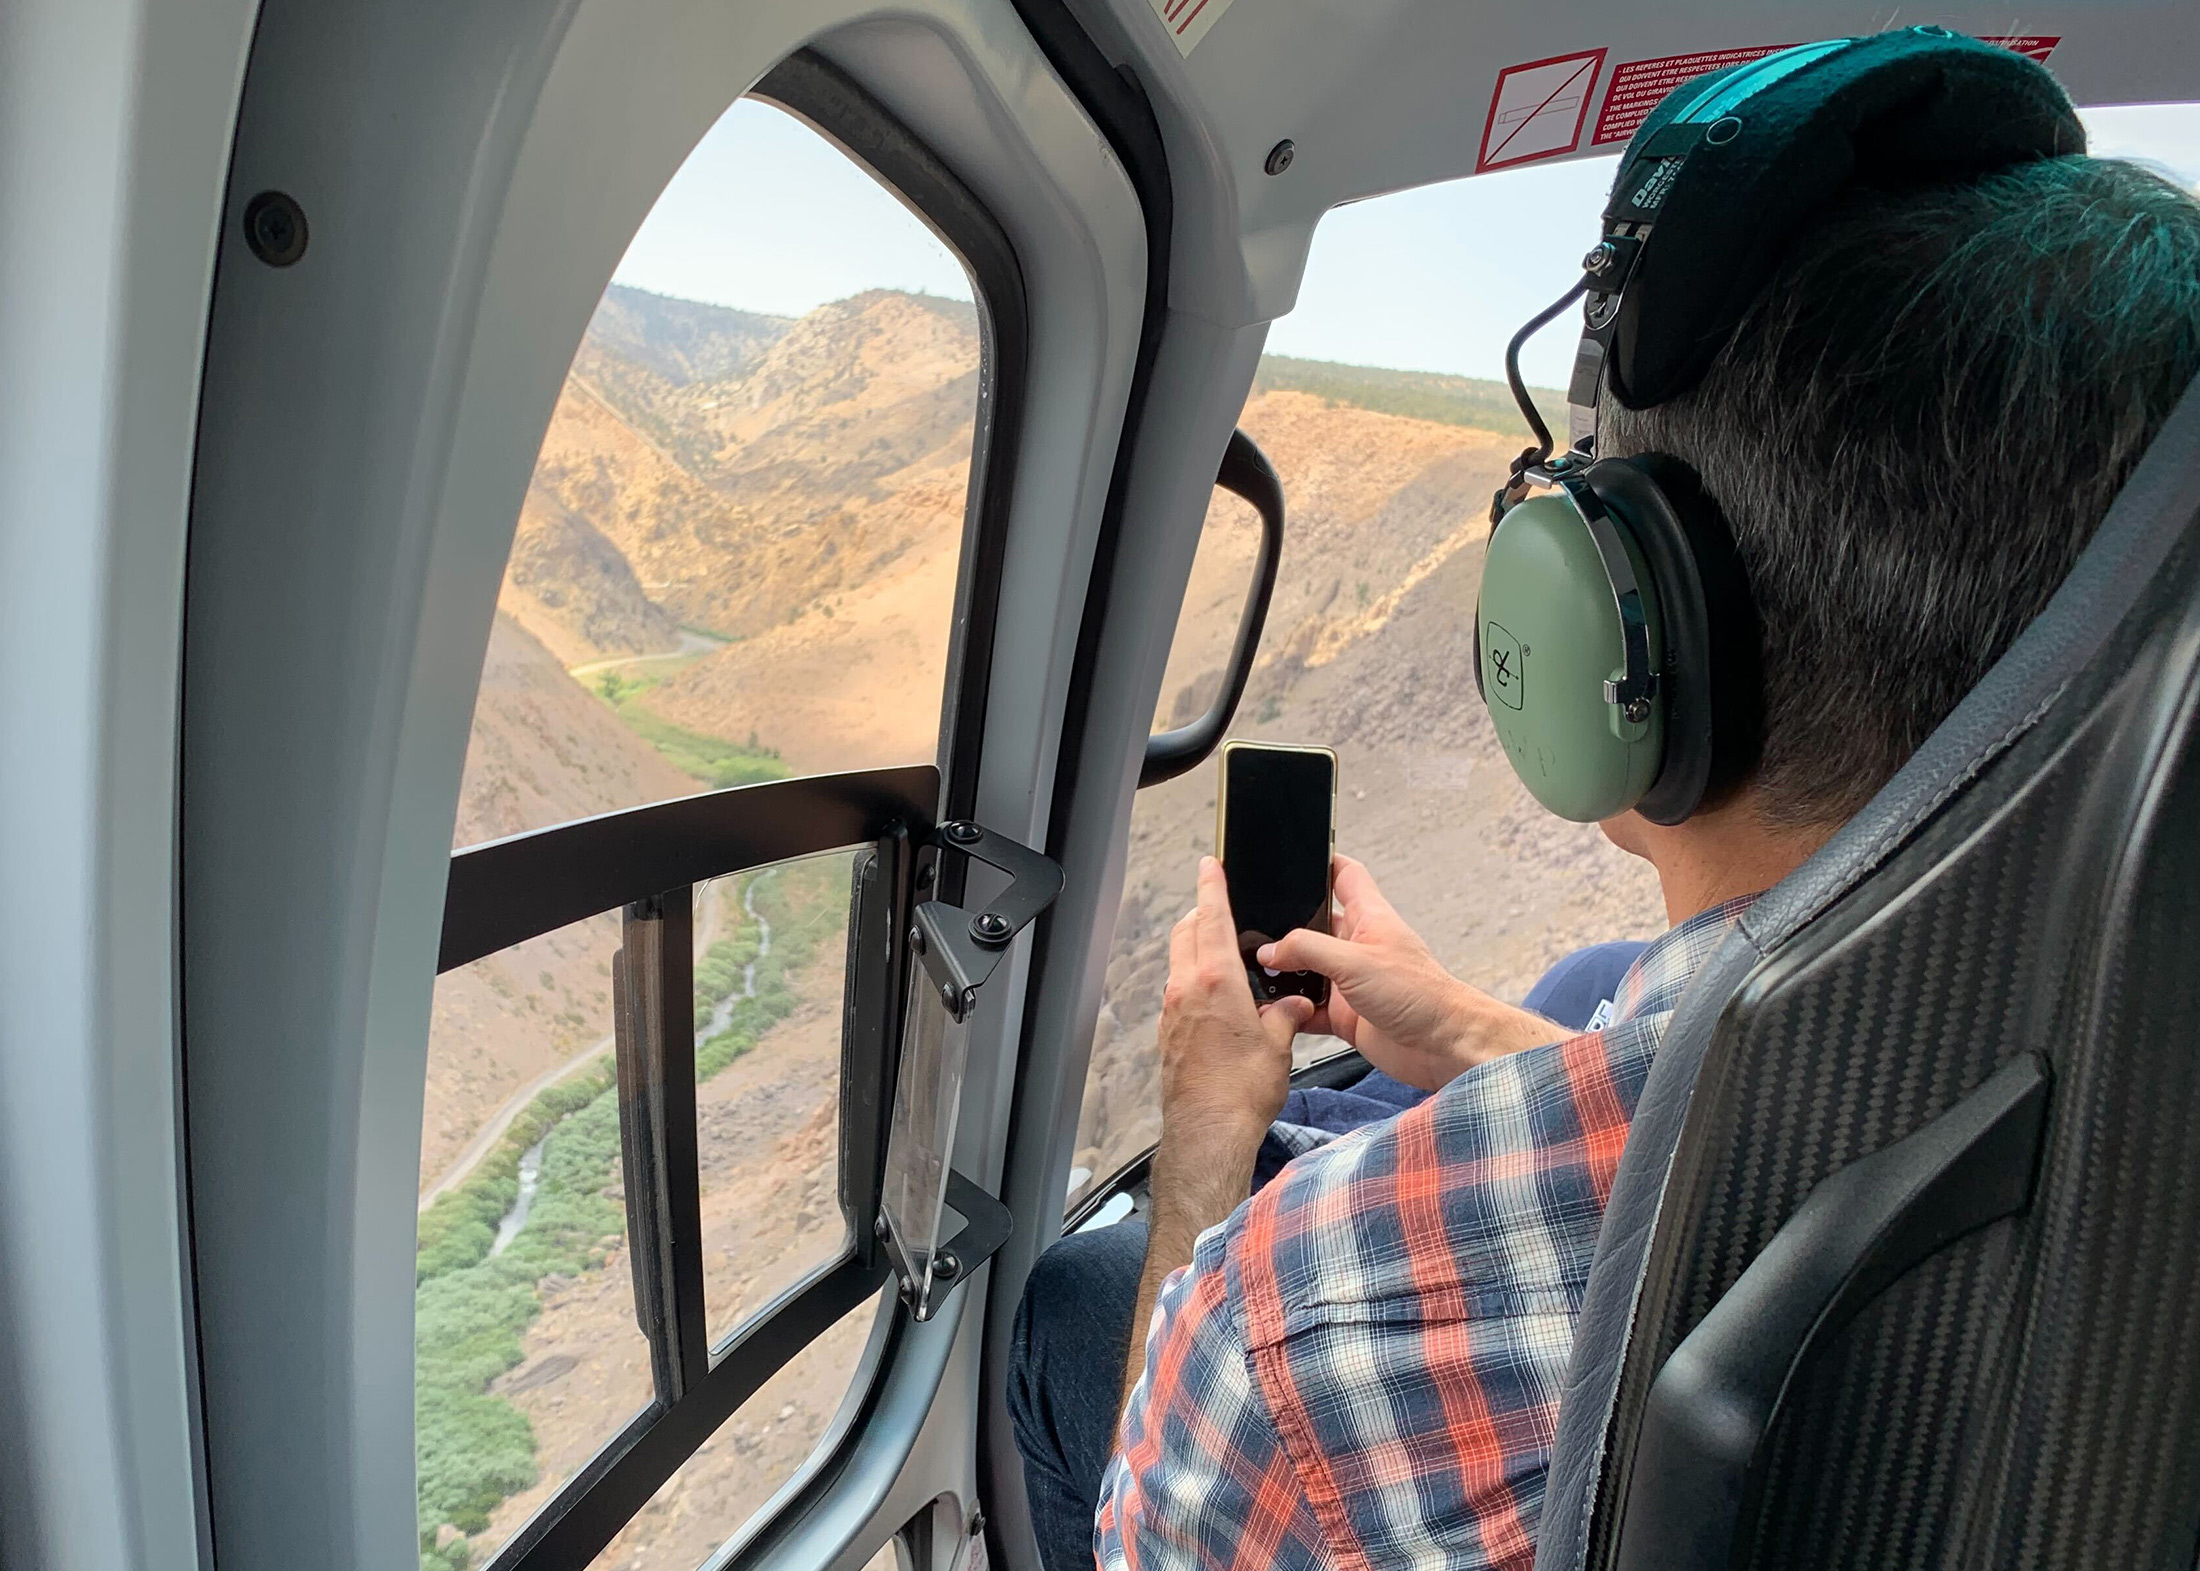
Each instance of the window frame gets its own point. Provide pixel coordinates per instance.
(649, 859)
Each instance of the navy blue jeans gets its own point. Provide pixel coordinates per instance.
(1065, 1380)
(1073, 1327)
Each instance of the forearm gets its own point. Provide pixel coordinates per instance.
(1489, 1028)
(1196, 1184)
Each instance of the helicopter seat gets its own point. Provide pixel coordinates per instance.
(1901, 1266)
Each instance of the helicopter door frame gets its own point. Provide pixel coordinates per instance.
(370, 415)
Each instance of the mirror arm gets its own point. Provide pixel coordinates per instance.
(1245, 473)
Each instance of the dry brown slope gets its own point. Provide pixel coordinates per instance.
(543, 751)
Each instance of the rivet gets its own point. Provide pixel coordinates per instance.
(275, 228)
(1723, 131)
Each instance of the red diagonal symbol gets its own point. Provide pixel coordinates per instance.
(1491, 158)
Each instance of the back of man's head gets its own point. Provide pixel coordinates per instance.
(1915, 431)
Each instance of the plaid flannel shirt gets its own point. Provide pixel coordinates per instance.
(1361, 1367)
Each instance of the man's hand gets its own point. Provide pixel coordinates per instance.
(1389, 998)
(1225, 1070)
(1225, 1065)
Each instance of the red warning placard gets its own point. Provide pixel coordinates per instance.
(1539, 109)
(1637, 85)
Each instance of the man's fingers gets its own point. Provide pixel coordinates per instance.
(1356, 889)
(1217, 930)
(1286, 1018)
(1184, 945)
(1303, 949)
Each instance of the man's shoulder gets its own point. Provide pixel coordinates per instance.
(1484, 1201)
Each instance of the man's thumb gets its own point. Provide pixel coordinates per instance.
(1286, 1018)
(1303, 949)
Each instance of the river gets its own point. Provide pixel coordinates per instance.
(721, 1016)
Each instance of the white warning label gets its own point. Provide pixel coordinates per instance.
(1188, 20)
(1538, 109)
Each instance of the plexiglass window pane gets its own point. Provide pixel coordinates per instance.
(755, 1452)
(768, 990)
(527, 1357)
(736, 557)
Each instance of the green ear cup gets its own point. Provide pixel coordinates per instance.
(1549, 638)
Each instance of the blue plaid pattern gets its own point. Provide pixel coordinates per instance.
(1361, 1367)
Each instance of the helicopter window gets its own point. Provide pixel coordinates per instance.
(752, 1456)
(1387, 476)
(736, 559)
(768, 991)
(527, 1352)
(736, 562)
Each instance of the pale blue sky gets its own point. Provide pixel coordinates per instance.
(1434, 279)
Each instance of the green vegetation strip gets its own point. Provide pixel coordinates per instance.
(472, 1309)
(711, 759)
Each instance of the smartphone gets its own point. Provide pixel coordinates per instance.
(1275, 827)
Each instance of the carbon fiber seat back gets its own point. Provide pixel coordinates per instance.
(2026, 893)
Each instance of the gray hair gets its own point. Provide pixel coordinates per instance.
(1915, 431)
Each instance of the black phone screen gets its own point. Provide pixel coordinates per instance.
(1276, 834)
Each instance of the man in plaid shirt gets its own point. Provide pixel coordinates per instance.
(1363, 1366)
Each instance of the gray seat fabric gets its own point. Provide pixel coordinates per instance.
(2063, 665)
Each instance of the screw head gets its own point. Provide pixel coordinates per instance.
(916, 938)
(275, 228)
(946, 1266)
(1280, 156)
(1600, 258)
(962, 832)
(990, 925)
(947, 994)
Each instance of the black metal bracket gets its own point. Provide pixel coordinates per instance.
(959, 949)
(986, 1226)
(1245, 473)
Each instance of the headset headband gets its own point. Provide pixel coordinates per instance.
(1729, 169)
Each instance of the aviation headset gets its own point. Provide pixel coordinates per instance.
(1616, 643)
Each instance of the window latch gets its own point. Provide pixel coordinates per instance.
(959, 949)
